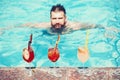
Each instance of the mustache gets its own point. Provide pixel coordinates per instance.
(57, 24)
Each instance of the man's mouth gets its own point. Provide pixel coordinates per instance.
(57, 26)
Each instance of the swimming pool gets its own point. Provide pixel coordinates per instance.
(104, 45)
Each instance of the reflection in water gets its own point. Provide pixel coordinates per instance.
(113, 39)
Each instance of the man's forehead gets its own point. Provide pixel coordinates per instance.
(57, 12)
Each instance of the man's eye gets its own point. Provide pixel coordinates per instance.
(60, 18)
(53, 18)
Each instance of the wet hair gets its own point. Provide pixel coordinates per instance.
(58, 7)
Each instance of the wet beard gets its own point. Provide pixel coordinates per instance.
(58, 30)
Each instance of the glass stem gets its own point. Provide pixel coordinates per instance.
(83, 68)
(30, 71)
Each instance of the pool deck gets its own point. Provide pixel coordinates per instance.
(62, 73)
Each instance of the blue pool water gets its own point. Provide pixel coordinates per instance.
(104, 44)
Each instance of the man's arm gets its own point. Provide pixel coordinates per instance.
(78, 25)
(37, 25)
(89, 26)
(86, 26)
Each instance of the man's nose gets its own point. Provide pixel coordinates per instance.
(57, 20)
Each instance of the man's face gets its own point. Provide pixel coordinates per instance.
(58, 19)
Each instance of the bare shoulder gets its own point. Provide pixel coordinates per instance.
(74, 25)
(37, 25)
